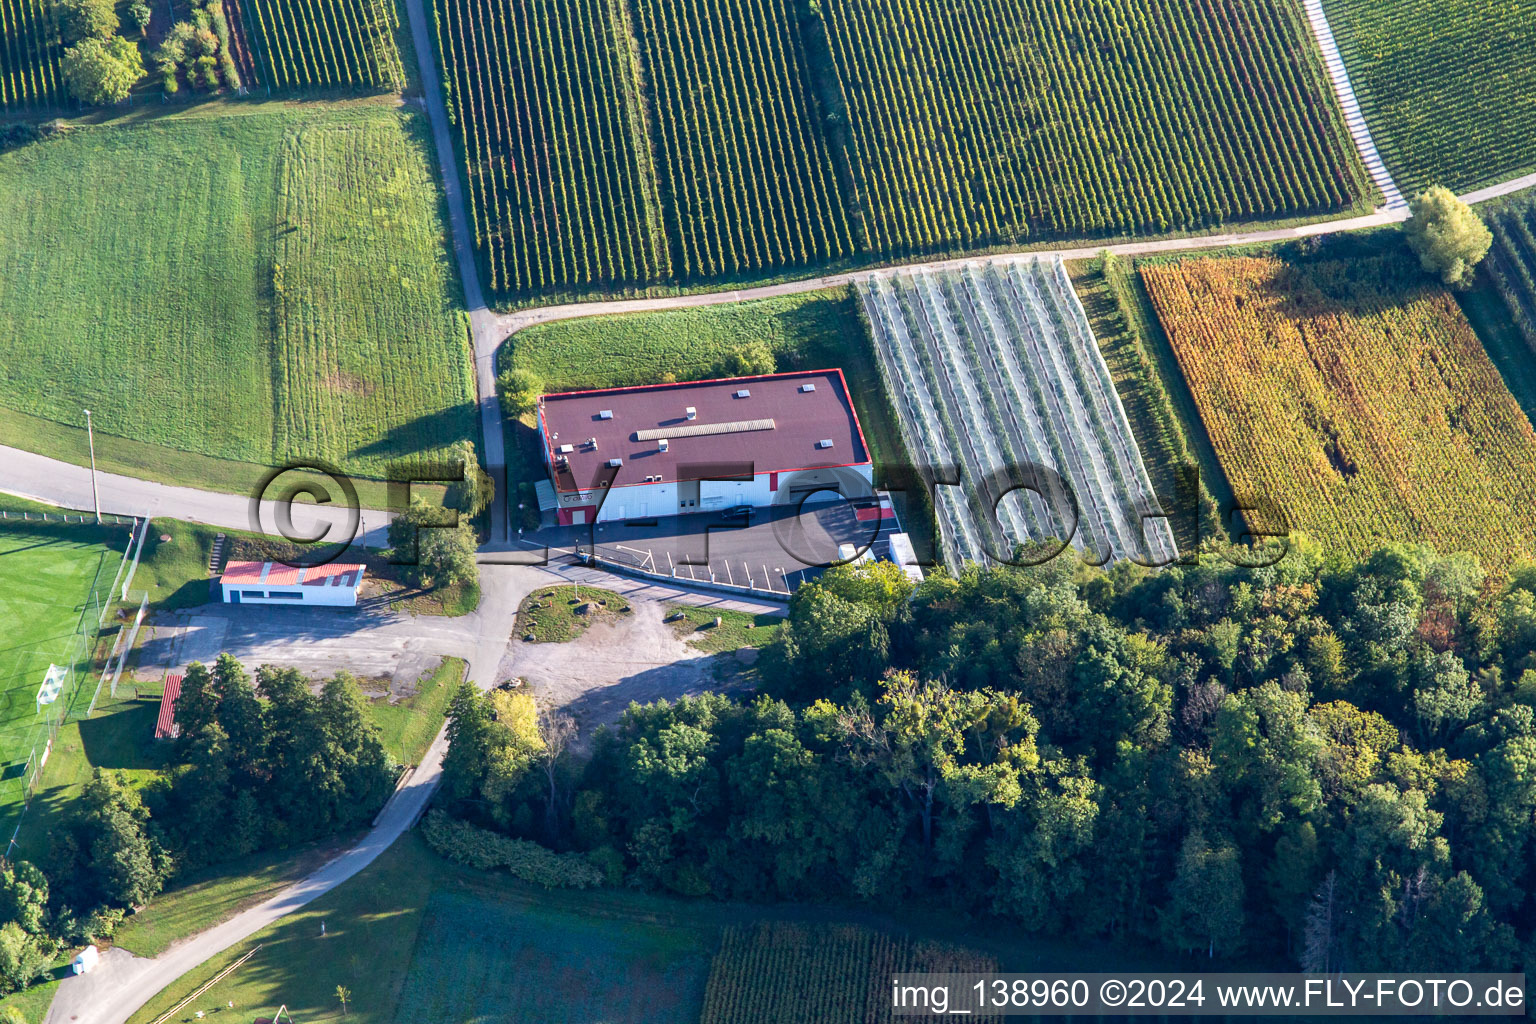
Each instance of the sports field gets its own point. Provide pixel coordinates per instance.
(51, 580)
(262, 285)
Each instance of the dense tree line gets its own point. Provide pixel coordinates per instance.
(1325, 760)
(259, 765)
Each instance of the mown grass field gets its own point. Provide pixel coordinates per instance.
(696, 627)
(474, 959)
(421, 940)
(1448, 89)
(814, 331)
(1356, 399)
(119, 736)
(193, 305)
(47, 574)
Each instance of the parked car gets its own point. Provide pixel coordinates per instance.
(742, 512)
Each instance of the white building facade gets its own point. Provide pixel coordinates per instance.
(334, 585)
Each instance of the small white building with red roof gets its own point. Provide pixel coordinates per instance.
(334, 584)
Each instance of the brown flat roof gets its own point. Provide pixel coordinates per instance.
(776, 427)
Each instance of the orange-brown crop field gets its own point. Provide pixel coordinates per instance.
(1363, 412)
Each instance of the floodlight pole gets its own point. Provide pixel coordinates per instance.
(91, 437)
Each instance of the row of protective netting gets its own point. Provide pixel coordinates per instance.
(999, 384)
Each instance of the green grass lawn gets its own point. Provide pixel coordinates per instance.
(475, 959)
(32, 1002)
(408, 727)
(813, 331)
(421, 940)
(47, 576)
(251, 289)
(119, 736)
(211, 896)
(550, 616)
(1448, 89)
(696, 626)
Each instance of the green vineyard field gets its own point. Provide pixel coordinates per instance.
(1448, 89)
(325, 44)
(30, 51)
(986, 121)
(1512, 261)
(610, 145)
(781, 971)
(560, 186)
(748, 177)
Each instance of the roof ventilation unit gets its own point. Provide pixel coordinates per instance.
(807, 387)
(615, 463)
(691, 413)
(606, 414)
(661, 445)
(566, 449)
(825, 442)
(743, 393)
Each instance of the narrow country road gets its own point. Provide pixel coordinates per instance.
(511, 323)
(484, 330)
(123, 983)
(67, 485)
(1354, 120)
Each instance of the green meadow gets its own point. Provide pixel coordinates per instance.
(247, 289)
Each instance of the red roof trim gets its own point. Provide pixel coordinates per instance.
(707, 380)
(548, 444)
(165, 724)
(853, 410)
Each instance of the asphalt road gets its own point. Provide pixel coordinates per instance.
(122, 983)
(68, 485)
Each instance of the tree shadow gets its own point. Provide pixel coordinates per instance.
(404, 442)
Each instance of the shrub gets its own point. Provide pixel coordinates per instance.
(519, 391)
(481, 848)
(87, 19)
(100, 73)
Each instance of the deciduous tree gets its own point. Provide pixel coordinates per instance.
(1449, 238)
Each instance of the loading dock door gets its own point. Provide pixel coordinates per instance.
(578, 517)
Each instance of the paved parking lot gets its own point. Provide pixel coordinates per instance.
(776, 549)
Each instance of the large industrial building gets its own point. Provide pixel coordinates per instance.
(675, 449)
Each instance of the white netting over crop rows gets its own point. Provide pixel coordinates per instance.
(994, 369)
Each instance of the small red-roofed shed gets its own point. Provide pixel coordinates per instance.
(165, 725)
(334, 584)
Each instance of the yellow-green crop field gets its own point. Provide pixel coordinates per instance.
(1354, 399)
